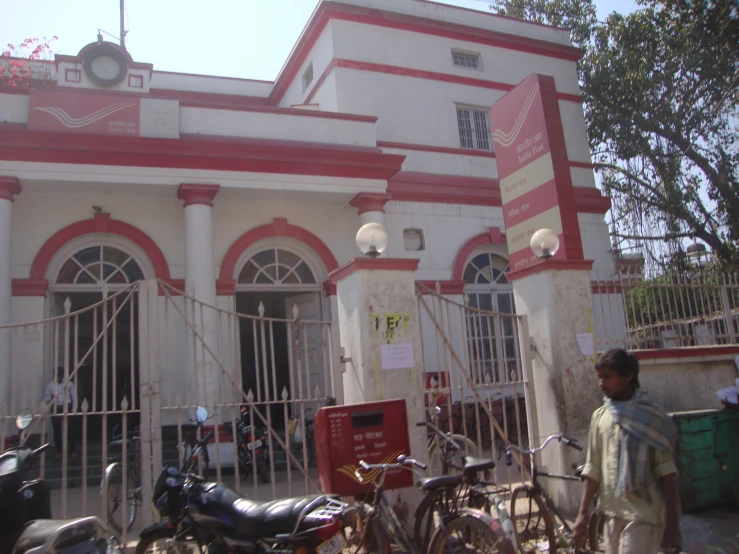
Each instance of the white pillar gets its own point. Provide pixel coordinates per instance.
(200, 284)
(556, 297)
(9, 186)
(377, 306)
(370, 207)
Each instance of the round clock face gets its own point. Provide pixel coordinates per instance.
(105, 68)
(105, 65)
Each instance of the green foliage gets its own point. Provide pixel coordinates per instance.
(661, 98)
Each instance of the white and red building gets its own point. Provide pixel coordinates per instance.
(244, 191)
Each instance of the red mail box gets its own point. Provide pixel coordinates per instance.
(376, 432)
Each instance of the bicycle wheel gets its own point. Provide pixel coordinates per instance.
(423, 528)
(532, 521)
(468, 534)
(113, 483)
(596, 526)
(438, 465)
(363, 533)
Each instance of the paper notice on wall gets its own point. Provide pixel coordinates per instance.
(585, 341)
(397, 356)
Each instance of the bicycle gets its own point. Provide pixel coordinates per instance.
(113, 481)
(447, 449)
(471, 492)
(295, 434)
(535, 524)
(458, 529)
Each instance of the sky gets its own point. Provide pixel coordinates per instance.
(232, 38)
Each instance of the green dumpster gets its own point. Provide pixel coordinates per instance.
(707, 457)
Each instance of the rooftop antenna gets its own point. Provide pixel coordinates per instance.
(123, 24)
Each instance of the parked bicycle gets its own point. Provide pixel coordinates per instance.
(539, 524)
(113, 481)
(295, 433)
(472, 491)
(377, 527)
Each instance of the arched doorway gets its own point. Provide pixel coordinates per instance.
(280, 278)
(491, 341)
(89, 277)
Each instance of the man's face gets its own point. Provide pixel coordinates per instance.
(59, 378)
(614, 385)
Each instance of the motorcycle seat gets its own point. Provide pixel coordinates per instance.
(37, 532)
(278, 517)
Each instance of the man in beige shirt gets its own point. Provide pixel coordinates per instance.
(630, 464)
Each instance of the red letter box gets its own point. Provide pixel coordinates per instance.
(376, 432)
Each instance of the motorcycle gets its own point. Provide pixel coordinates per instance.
(252, 448)
(25, 509)
(196, 516)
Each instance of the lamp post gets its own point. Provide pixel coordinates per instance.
(372, 239)
(544, 243)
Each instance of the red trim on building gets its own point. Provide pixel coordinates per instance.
(202, 152)
(329, 288)
(583, 165)
(195, 99)
(319, 83)
(29, 287)
(590, 200)
(445, 287)
(606, 287)
(192, 194)
(493, 236)
(9, 187)
(278, 228)
(687, 352)
(100, 223)
(374, 264)
(415, 24)
(437, 149)
(369, 202)
(225, 287)
(443, 77)
(551, 265)
(297, 112)
(410, 186)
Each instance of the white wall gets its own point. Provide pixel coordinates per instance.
(382, 45)
(320, 56)
(302, 126)
(325, 96)
(14, 108)
(209, 83)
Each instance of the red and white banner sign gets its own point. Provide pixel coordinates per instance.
(529, 152)
(80, 112)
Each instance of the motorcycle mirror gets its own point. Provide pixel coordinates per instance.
(23, 419)
(201, 414)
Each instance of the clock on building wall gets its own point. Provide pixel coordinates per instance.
(105, 65)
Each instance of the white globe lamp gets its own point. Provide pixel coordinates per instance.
(544, 243)
(372, 239)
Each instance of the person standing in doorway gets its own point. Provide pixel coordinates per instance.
(630, 462)
(62, 394)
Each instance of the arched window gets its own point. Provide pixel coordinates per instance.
(491, 339)
(94, 265)
(276, 266)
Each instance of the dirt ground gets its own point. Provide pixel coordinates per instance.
(711, 531)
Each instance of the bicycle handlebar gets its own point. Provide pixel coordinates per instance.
(404, 462)
(441, 433)
(561, 438)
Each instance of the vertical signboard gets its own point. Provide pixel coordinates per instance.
(533, 170)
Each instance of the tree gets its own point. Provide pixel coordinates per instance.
(661, 97)
(19, 64)
(660, 93)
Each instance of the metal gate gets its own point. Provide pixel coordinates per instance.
(95, 402)
(477, 376)
(202, 353)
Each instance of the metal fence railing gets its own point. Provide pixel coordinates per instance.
(668, 311)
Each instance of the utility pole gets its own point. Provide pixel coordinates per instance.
(123, 24)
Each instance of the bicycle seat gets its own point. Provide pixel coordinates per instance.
(578, 471)
(441, 482)
(475, 465)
